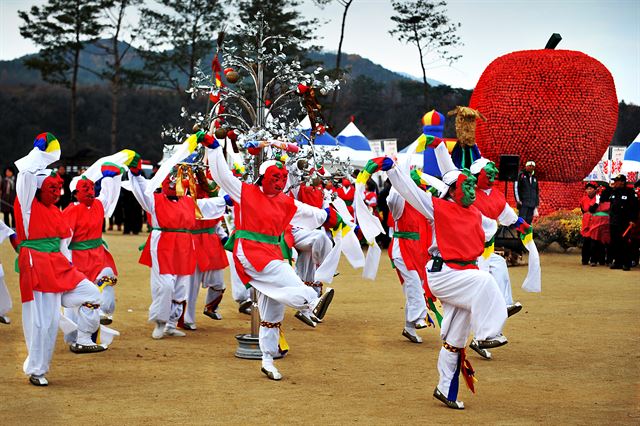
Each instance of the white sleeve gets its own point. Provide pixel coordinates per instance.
(220, 231)
(395, 203)
(26, 186)
(212, 208)
(5, 232)
(419, 199)
(508, 216)
(109, 193)
(307, 216)
(222, 175)
(138, 188)
(64, 247)
(515, 190)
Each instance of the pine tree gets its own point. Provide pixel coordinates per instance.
(178, 35)
(62, 28)
(424, 23)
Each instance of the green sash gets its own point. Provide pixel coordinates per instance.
(44, 245)
(88, 244)
(183, 230)
(261, 238)
(204, 231)
(406, 235)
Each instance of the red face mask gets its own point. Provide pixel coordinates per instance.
(50, 191)
(346, 182)
(85, 192)
(169, 187)
(483, 180)
(274, 180)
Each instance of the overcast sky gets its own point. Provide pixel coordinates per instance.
(608, 30)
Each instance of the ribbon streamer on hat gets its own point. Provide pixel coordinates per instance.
(182, 169)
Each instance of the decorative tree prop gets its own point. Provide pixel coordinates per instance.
(556, 107)
(258, 115)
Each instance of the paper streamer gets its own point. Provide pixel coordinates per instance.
(94, 172)
(533, 281)
(66, 325)
(352, 251)
(327, 269)
(369, 224)
(371, 263)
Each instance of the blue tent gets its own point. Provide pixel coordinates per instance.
(305, 128)
(352, 137)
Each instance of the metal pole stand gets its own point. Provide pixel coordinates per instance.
(248, 345)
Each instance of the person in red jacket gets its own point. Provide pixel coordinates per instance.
(170, 250)
(409, 256)
(471, 300)
(208, 237)
(263, 213)
(88, 251)
(48, 280)
(591, 249)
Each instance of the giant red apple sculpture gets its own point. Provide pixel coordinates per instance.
(556, 107)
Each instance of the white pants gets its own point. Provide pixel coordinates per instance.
(168, 292)
(239, 292)
(497, 267)
(40, 318)
(108, 305)
(213, 281)
(415, 307)
(277, 286)
(312, 246)
(5, 297)
(470, 300)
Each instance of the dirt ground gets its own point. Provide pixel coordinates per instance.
(573, 358)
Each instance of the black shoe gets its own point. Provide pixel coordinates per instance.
(245, 307)
(456, 405)
(305, 319)
(626, 268)
(514, 309)
(493, 342)
(614, 266)
(38, 380)
(86, 349)
(482, 352)
(411, 337)
(594, 263)
(323, 304)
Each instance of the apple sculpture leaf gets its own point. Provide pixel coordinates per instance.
(556, 107)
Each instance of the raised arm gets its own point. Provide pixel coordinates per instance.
(110, 187)
(220, 171)
(139, 186)
(419, 199)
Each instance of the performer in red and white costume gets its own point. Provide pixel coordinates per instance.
(312, 245)
(262, 214)
(408, 253)
(5, 297)
(85, 217)
(211, 260)
(48, 280)
(170, 250)
(470, 298)
(347, 192)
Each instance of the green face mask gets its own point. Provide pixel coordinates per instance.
(466, 191)
(491, 170)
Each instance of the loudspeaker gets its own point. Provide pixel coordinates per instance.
(509, 167)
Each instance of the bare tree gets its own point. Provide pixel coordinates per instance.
(338, 72)
(116, 73)
(424, 23)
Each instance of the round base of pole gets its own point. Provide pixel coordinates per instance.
(249, 348)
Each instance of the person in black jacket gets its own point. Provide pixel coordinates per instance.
(623, 213)
(526, 192)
